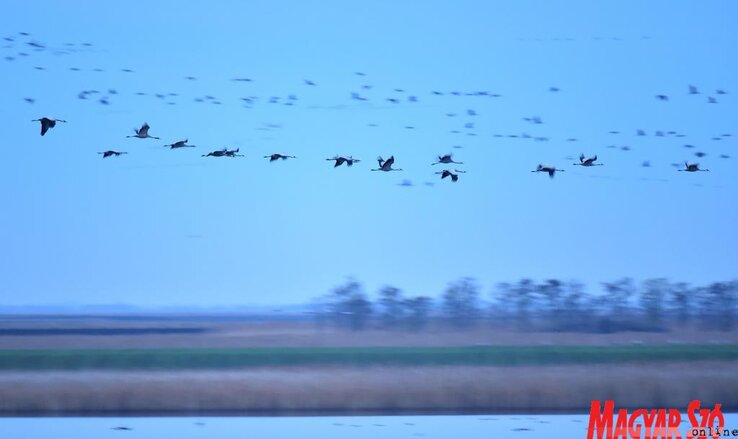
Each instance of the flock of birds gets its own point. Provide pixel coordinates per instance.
(385, 165)
(28, 44)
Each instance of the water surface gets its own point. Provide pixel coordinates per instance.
(339, 427)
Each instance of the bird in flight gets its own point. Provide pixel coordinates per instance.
(386, 165)
(47, 123)
(341, 160)
(143, 132)
(180, 144)
(275, 157)
(548, 169)
(446, 159)
(692, 167)
(110, 153)
(225, 152)
(587, 162)
(454, 175)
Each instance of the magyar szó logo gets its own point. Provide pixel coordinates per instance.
(655, 423)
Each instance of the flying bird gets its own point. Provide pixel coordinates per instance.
(225, 152)
(692, 167)
(180, 144)
(110, 153)
(446, 159)
(386, 165)
(275, 157)
(143, 132)
(454, 176)
(548, 169)
(123, 428)
(341, 160)
(587, 162)
(47, 123)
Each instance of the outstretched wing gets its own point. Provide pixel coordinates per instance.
(144, 130)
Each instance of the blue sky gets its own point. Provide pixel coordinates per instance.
(162, 227)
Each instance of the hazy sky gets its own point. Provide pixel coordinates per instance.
(168, 227)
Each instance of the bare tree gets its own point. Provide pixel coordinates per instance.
(653, 296)
(391, 307)
(349, 307)
(718, 302)
(417, 311)
(461, 303)
(680, 298)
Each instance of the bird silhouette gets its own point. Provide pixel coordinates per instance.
(110, 153)
(47, 123)
(550, 170)
(454, 175)
(587, 162)
(446, 159)
(180, 144)
(692, 167)
(275, 157)
(143, 132)
(225, 152)
(341, 160)
(386, 165)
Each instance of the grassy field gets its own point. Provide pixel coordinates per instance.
(177, 359)
(373, 389)
(92, 365)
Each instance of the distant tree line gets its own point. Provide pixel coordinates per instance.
(551, 305)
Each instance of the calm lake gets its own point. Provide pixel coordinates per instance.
(386, 427)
